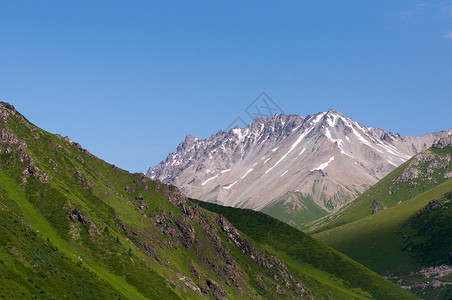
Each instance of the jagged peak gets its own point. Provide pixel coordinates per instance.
(189, 140)
(332, 117)
(259, 123)
(285, 122)
(332, 111)
(283, 117)
(276, 117)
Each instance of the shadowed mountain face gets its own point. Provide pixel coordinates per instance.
(289, 166)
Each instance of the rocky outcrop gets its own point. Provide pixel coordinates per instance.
(75, 215)
(217, 290)
(432, 205)
(377, 207)
(187, 230)
(18, 152)
(77, 146)
(272, 264)
(409, 174)
(435, 164)
(443, 142)
(7, 137)
(86, 183)
(129, 190)
(142, 203)
(423, 165)
(6, 110)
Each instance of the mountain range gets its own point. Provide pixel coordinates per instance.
(293, 168)
(73, 226)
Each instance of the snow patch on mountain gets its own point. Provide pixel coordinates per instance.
(230, 186)
(300, 138)
(247, 172)
(211, 178)
(324, 165)
(302, 151)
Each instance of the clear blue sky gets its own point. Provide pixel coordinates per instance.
(129, 79)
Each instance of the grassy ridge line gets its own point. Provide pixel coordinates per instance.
(304, 250)
(375, 241)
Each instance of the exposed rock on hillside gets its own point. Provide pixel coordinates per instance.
(377, 207)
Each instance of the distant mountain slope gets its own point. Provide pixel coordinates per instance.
(401, 227)
(73, 226)
(421, 173)
(287, 208)
(377, 240)
(326, 159)
(305, 253)
(401, 240)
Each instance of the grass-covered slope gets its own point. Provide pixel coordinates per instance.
(75, 227)
(398, 240)
(307, 254)
(421, 173)
(428, 234)
(294, 208)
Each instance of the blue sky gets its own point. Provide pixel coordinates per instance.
(129, 79)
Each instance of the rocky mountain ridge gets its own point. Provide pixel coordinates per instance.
(327, 158)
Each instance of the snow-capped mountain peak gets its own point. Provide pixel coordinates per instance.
(326, 157)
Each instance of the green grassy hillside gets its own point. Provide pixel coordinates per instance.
(75, 227)
(378, 241)
(307, 254)
(403, 240)
(294, 209)
(428, 234)
(419, 174)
